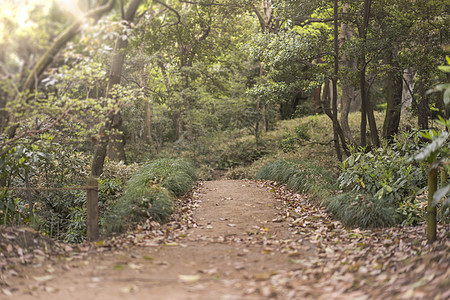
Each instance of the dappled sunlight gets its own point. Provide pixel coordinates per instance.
(70, 8)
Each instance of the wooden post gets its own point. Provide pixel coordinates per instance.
(92, 208)
(431, 210)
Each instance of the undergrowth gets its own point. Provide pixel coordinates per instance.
(300, 176)
(149, 193)
(362, 210)
(381, 186)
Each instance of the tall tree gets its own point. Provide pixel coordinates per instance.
(366, 106)
(114, 123)
(349, 95)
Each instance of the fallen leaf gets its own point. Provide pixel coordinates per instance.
(129, 289)
(189, 278)
(7, 292)
(262, 276)
(43, 278)
(135, 266)
(99, 243)
(50, 289)
(171, 244)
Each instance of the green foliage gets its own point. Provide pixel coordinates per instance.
(175, 175)
(382, 177)
(385, 173)
(412, 213)
(290, 143)
(299, 176)
(362, 210)
(437, 152)
(149, 193)
(77, 228)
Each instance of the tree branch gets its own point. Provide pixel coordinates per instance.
(60, 42)
(171, 9)
(316, 20)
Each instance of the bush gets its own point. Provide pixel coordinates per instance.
(362, 210)
(384, 179)
(175, 175)
(149, 193)
(299, 176)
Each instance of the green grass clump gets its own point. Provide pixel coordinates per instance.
(150, 192)
(299, 176)
(176, 175)
(362, 210)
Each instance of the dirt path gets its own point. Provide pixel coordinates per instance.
(227, 256)
(243, 240)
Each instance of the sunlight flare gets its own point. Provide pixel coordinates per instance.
(70, 7)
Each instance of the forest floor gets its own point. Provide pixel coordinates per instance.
(232, 240)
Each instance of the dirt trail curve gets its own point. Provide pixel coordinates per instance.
(227, 256)
(242, 240)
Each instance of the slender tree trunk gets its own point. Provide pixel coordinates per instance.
(100, 149)
(348, 91)
(394, 87)
(116, 145)
(372, 123)
(422, 105)
(366, 107)
(409, 79)
(335, 78)
(148, 123)
(317, 99)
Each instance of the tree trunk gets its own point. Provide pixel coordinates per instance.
(116, 145)
(317, 99)
(335, 78)
(366, 107)
(422, 106)
(372, 123)
(148, 123)
(116, 71)
(394, 87)
(408, 90)
(348, 91)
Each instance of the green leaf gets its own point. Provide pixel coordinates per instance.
(445, 69)
(447, 96)
(439, 194)
(430, 151)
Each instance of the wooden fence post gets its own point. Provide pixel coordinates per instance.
(92, 209)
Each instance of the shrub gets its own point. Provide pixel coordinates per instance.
(299, 176)
(149, 193)
(175, 175)
(384, 179)
(362, 210)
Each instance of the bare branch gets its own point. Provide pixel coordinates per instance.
(212, 3)
(171, 9)
(316, 20)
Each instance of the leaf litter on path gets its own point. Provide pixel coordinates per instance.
(324, 260)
